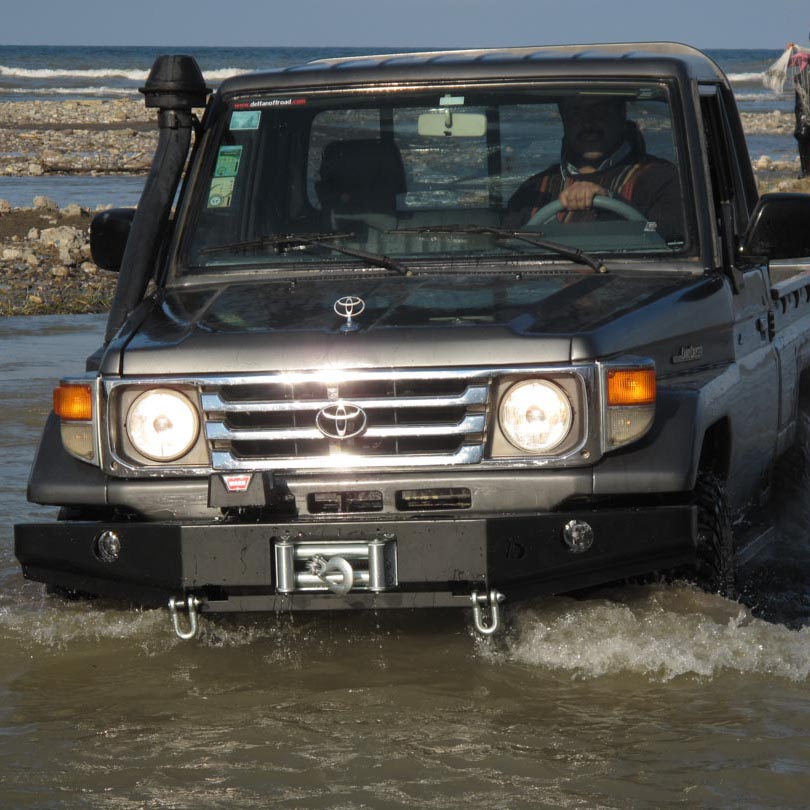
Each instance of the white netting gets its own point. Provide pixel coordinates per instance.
(776, 75)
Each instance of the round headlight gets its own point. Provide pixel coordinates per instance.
(162, 424)
(535, 415)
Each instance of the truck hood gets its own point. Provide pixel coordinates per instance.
(479, 319)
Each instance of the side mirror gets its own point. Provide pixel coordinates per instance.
(779, 228)
(109, 231)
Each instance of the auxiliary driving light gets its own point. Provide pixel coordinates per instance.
(162, 424)
(535, 415)
(578, 536)
(107, 546)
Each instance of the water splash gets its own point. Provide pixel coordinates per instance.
(662, 632)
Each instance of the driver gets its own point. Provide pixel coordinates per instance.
(603, 153)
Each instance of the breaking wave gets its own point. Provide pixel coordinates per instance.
(72, 91)
(746, 77)
(135, 75)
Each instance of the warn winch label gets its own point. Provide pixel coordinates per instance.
(237, 483)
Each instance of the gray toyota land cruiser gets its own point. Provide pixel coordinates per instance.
(431, 330)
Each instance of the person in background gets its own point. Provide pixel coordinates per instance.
(800, 62)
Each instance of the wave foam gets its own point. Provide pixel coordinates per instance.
(70, 91)
(103, 73)
(747, 77)
(660, 632)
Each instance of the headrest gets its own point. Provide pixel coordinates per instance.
(364, 174)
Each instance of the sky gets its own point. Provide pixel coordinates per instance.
(403, 23)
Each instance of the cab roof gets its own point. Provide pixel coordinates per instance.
(615, 60)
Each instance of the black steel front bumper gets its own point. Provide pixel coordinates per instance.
(439, 562)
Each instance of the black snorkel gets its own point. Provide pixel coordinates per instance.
(175, 86)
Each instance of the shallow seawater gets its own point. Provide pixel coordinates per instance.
(636, 696)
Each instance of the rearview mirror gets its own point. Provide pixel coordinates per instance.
(447, 123)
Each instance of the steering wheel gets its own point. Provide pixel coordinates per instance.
(621, 209)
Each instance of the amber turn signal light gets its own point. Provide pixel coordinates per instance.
(73, 403)
(631, 386)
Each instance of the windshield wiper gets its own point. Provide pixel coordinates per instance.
(575, 254)
(293, 241)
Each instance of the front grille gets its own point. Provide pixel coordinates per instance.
(373, 421)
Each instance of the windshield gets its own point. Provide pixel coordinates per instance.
(447, 175)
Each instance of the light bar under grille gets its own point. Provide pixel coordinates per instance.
(393, 422)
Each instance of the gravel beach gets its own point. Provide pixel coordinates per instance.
(45, 261)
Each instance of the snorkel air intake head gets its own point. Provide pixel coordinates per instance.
(175, 82)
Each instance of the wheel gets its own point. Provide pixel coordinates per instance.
(714, 556)
(618, 207)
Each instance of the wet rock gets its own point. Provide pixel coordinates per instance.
(5, 206)
(63, 236)
(42, 203)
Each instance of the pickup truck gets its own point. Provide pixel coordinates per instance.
(432, 330)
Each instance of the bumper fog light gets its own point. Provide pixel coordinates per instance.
(578, 536)
(107, 547)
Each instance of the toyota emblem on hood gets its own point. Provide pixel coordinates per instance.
(341, 420)
(348, 307)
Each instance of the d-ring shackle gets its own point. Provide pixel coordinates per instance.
(492, 601)
(191, 603)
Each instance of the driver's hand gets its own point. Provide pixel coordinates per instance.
(579, 195)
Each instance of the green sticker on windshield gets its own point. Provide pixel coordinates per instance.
(228, 161)
(245, 119)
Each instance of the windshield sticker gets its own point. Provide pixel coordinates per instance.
(261, 103)
(221, 192)
(228, 161)
(245, 120)
(451, 101)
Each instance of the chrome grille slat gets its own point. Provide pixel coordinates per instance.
(413, 420)
(214, 403)
(466, 454)
(219, 431)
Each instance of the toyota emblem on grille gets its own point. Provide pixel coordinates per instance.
(341, 420)
(349, 307)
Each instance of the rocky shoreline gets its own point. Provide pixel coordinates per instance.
(45, 261)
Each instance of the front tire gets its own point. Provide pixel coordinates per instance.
(714, 554)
